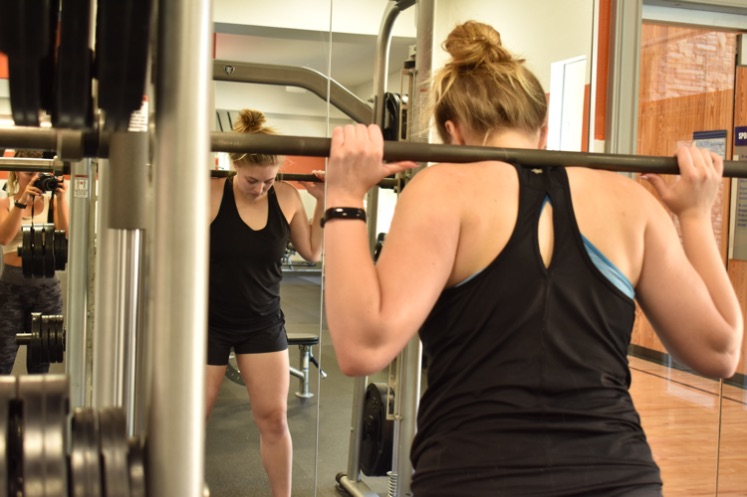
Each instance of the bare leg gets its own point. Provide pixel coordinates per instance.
(213, 379)
(267, 381)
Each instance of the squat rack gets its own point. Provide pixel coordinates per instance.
(183, 142)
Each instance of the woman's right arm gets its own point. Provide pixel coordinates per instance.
(684, 288)
(10, 223)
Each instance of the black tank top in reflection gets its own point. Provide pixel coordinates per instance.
(527, 372)
(245, 266)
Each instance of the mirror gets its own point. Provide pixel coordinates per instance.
(281, 34)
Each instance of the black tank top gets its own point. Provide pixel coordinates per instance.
(528, 375)
(245, 266)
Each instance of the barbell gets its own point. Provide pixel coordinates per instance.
(75, 145)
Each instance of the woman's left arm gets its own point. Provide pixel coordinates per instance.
(61, 210)
(306, 236)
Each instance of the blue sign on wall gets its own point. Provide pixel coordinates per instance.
(740, 136)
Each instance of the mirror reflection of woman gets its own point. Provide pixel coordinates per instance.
(252, 219)
(20, 296)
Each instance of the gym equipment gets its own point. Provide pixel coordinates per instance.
(53, 166)
(43, 250)
(378, 430)
(73, 102)
(33, 419)
(46, 341)
(392, 120)
(305, 342)
(429, 152)
(27, 37)
(94, 144)
(222, 173)
(122, 38)
(302, 77)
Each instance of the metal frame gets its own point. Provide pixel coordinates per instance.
(303, 77)
(176, 424)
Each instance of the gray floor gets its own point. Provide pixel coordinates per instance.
(233, 466)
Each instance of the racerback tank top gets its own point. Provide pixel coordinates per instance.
(245, 266)
(527, 371)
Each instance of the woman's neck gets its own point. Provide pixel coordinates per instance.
(510, 139)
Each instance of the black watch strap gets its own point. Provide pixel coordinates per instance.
(343, 213)
(19, 205)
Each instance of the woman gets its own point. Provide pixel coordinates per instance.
(522, 284)
(19, 296)
(252, 219)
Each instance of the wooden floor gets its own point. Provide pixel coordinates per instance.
(680, 413)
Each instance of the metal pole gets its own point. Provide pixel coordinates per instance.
(433, 152)
(54, 166)
(411, 356)
(126, 209)
(381, 73)
(106, 365)
(176, 428)
(129, 320)
(303, 77)
(222, 173)
(76, 303)
(622, 98)
(419, 152)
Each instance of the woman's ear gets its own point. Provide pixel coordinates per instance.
(454, 132)
(543, 137)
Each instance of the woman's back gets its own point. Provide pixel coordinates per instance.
(527, 366)
(611, 211)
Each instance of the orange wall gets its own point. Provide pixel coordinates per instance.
(603, 57)
(3, 66)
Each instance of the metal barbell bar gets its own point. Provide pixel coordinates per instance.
(75, 145)
(223, 173)
(54, 166)
(429, 152)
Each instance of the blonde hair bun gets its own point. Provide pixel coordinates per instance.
(474, 43)
(252, 121)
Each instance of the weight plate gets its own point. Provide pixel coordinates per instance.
(7, 395)
(122, 38)
(60, 249)
(33, 347)
(46, 339)
(59, 343)
(52, 324)
(45, 401)
(37, 252)
(114, 448)
(26, 250)
(25, 40)
(73, 70)
(85, 467)
(49, 263)
(136, 464)
(378, 431)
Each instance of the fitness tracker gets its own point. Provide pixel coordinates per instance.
(343, 213)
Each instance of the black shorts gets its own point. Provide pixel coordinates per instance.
(220, 342)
